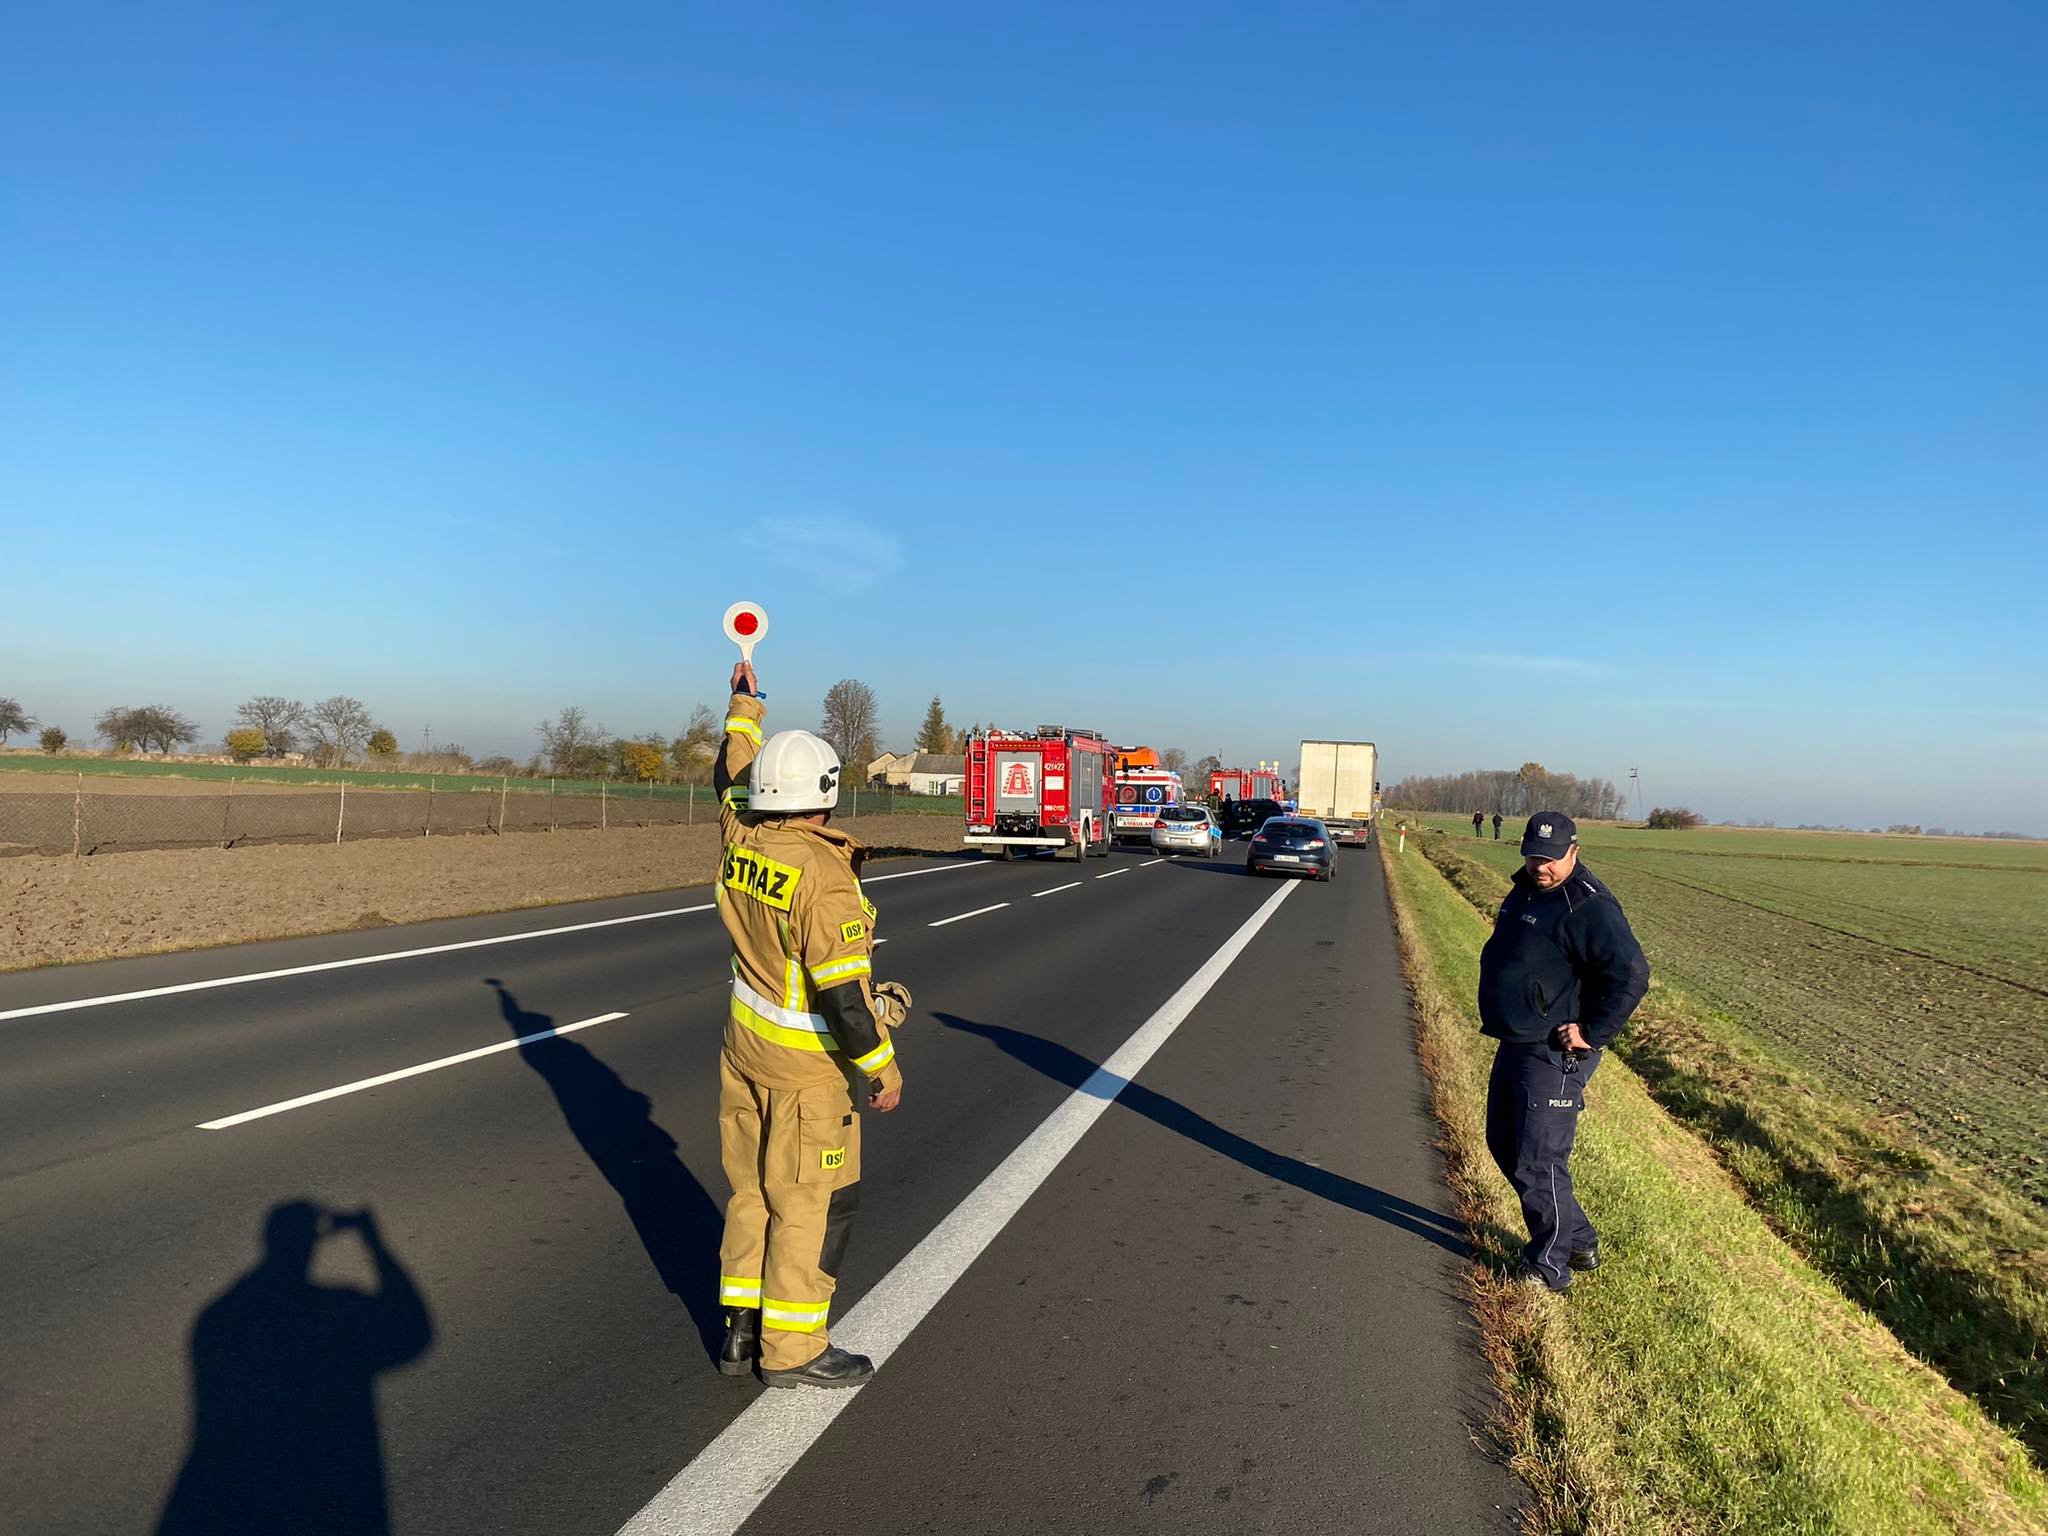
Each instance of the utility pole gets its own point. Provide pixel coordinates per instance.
(426, 735)
(1637, 778)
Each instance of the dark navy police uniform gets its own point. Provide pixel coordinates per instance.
(1556, 957)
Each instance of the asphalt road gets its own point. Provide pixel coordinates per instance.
(1231, 1306)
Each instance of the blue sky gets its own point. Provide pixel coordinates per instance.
(1608, 386)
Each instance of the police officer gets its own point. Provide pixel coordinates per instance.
(807, 1041)
(1557, 980)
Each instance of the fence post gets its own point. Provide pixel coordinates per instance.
(77, 813)
(690, 806)
(432, 780)
(502, 791)
(650, 804)
(604, 815)
(226, 812)
(551, 805)
(341, 813)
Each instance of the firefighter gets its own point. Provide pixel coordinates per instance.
(807, 1041)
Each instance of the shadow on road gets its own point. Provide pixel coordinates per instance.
(284, 1418)
(1077, 1071)
(678, 1223)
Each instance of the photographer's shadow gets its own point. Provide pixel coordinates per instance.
(284, 1405)
(678, 1223)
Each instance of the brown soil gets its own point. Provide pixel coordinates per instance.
(54, 910)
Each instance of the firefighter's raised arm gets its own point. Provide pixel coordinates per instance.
(742, 739)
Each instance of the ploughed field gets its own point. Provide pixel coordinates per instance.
(1907, 973)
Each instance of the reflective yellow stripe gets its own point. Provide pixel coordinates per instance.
(774, 1012)
(794, 1316)
(793, 985)
(780, 1034)
(859, 965)
(878, 1058)
(736, 797)
(739, 1289)
(751, 729)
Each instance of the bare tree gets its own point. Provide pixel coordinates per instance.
(278, 719)
(340, 727)
(696, 746)
(849, 725)
(153, 728)
(12, 719)
(572, 744)
(1174, 760)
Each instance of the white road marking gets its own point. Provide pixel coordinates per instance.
(1150, 862)
(1055, 890)
(405, 954)
(961, 917)
(1115, 872)
(716, 1493)
(392, 1077)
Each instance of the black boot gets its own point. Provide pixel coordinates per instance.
(834, 1368)
(742, 1341)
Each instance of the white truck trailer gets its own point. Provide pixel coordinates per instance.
(1340, 787)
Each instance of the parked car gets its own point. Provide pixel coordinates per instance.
(1187, 829)
(1241, 818)
(1293, 845)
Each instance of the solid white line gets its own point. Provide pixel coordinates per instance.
(392, 1077)
(729, 1478)
(1055, 890)
(962, 917)
(404, 954)
(1115, 872)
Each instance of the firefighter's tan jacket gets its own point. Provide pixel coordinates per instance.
(804, 1009)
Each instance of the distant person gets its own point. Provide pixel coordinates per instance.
(1557, 981)
(1496, 826)
(1478, 823)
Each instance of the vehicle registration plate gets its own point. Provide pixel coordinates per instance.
(1287, 858)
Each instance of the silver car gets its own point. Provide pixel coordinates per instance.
(1187, 829)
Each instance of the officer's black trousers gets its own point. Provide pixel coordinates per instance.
(1533, 1103)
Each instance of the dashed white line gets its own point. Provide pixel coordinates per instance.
(392, 1077)
(961, 917)
(409, 954)
(1070, 885)
(716, 1493)
(1115, 872)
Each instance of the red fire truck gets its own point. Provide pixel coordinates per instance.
(1247, 784)
(1049, 790)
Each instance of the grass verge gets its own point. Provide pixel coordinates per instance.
(1954, 1265)
(1708, 1378)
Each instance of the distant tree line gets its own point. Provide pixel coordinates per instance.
(1511, 791)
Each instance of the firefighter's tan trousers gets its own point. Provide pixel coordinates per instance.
(792, 1157)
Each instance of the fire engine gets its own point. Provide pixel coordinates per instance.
(1142, 792)
(1259, 783)
(1049, 790)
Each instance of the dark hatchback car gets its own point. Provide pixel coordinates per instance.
(1293, 845)
(1241, 818)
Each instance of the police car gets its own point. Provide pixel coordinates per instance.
(1187, 829)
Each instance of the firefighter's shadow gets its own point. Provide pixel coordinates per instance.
(678, 1223)
(1062, 1065)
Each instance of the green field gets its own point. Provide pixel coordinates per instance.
(1710, 1376)
(1847, 1023)
(853, 802)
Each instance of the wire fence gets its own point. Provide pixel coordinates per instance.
(82, 823)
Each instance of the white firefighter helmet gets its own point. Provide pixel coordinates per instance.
(794, 773)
